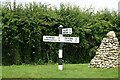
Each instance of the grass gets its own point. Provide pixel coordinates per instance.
(0, 72)
(51, 71)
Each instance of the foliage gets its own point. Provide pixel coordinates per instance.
(23, 27)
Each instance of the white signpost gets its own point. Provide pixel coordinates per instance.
(62, 40)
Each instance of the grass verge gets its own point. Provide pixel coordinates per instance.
(51, 71)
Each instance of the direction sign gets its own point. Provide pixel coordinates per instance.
(51, 38)
(67, 31)
(71, 39)
(61, 39)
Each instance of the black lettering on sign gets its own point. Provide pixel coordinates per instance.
(75, 39)
(59, 39)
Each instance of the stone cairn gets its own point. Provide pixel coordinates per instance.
(108, 53)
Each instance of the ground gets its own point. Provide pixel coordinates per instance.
(51, 71)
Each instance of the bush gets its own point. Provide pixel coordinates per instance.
(24, 26)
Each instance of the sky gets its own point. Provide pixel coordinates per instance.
(96, 4)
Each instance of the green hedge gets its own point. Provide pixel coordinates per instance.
(23, 27)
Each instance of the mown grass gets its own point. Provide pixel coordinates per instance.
(51, 71)
(0, 72)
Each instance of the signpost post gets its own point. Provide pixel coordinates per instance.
(62, 40)
(60, 66)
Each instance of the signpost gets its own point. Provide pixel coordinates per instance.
(62, 40)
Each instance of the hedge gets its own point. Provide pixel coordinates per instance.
(23, 27)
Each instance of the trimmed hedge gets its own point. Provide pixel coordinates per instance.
(24, 26)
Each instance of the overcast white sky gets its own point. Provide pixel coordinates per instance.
(97, 4)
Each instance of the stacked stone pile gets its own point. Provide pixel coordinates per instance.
(108, 53)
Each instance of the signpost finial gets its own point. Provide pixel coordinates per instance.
(60, 26)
